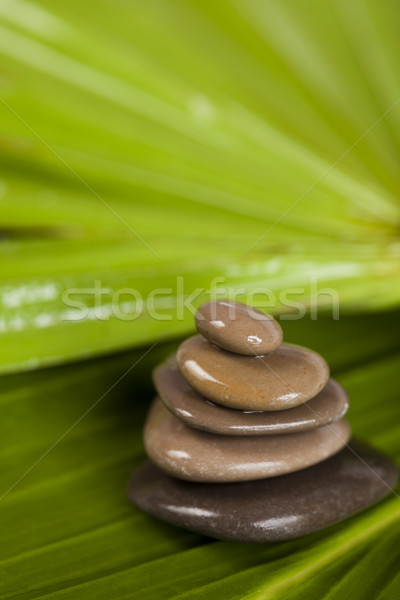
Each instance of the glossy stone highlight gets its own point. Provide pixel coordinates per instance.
(195, 455)
(282, 379)
(269, 510)
(193, 409)
(238, 328)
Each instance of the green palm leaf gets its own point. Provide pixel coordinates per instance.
(140, 152)
(68, 529)
(165, 145)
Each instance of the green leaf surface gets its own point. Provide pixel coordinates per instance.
(160, 140)
(69, 531)
(40, 325)
(163, 145)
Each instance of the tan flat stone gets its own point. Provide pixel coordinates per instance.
(284, 378)
(195, 455)
(196, 411)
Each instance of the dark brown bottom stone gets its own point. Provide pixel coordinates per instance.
(272, 509)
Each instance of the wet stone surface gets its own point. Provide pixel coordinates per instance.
(196, 455)
(196, 411)
(247, 438)
(273, 509)
(285, 378)
(238, 328)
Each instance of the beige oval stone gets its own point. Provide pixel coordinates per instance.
(196, 411)
(195, 455)
(238, 327)
(284, 378)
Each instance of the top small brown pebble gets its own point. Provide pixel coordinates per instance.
(238, 328)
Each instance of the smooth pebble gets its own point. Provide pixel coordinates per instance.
(282, 379)
(196, 411)
(238, 327)
(269, 510)
(195, 455)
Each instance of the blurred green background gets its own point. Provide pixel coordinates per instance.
(168, 145)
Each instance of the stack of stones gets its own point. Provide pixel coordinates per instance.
(247, 438)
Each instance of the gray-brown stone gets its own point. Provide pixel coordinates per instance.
(269, 510)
